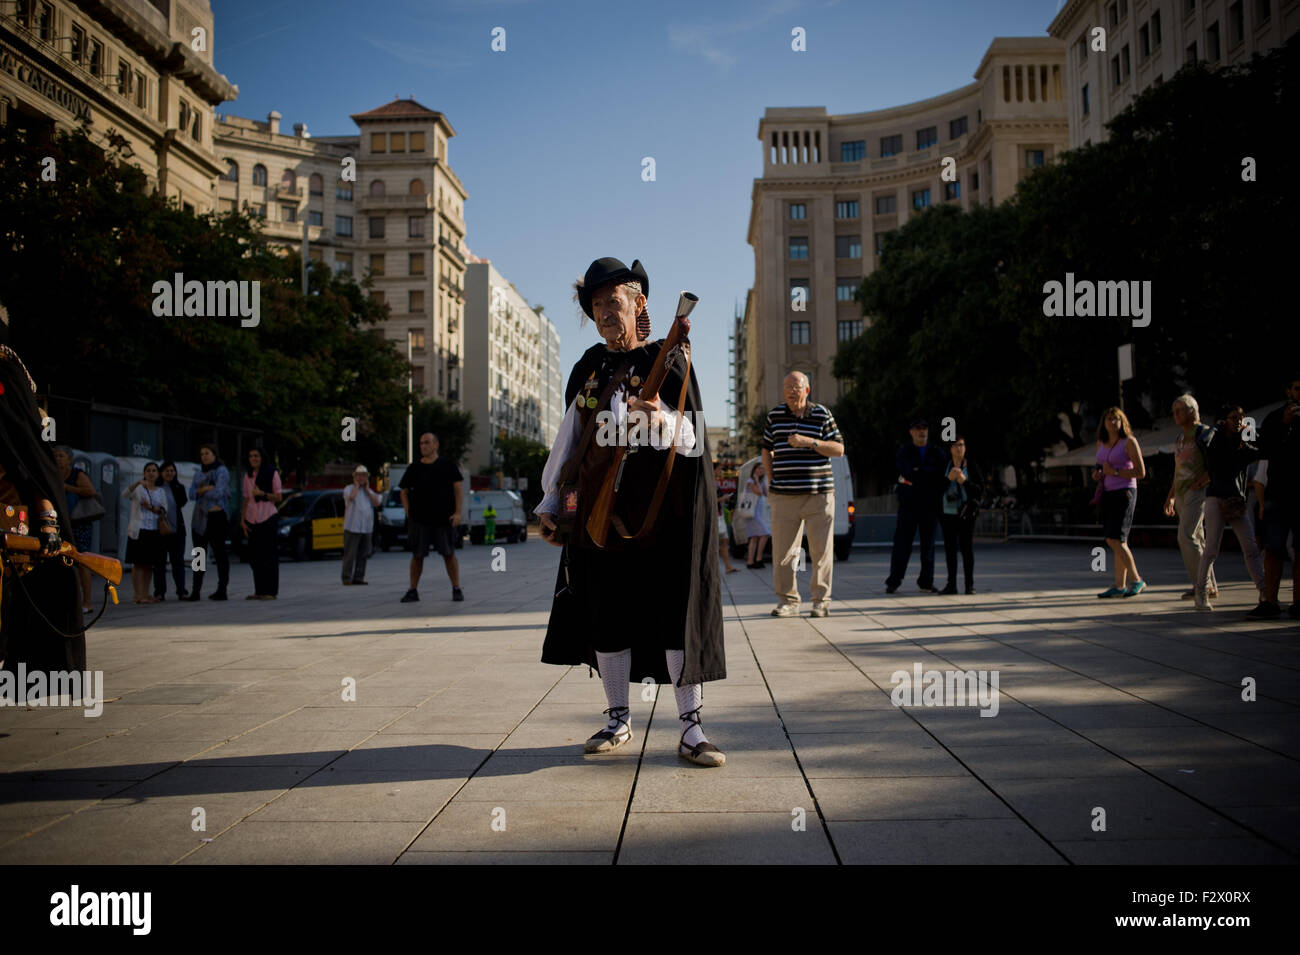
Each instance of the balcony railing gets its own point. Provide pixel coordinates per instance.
(395, 202)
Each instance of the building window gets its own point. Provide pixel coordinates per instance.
(1263, 12)
(417, 142)
(886, 205)
(124, 78)
(952, 190)
(847, 331)
(1236, 24)
(799, 289)
(957, 128)
(343, 191)
(343, 225)
(316, 184)
(288, 213)
(232, 171)
(848, 247)
(1083, 48)
(846, 209)
(416, 263)
(416, 336)
(798, 210)
(259, 209)
(925, 138)
(1084, 92)
(259, 175)
(1124, 62)
(417, 187)
(853, 151)
(397, 143)
(141, 92)
(96, 60)
(378, 142)
(343, 263)
(845, 289)
(1191, 53)
(376, 263)
(1155, 29)
(376, 227)
(78, 48)
(891, 145)
(1123, 9)
(315, 217)
(45, 22)
(920, 198)
(1112, 14)
(377, 189)
(800, 333)
(1114, 71)
(1212, 42)
(1144, 43)
(416, 300)
(975, 181)
(799, 247)
(415, 227)
(1189, 7)
(1033, 157)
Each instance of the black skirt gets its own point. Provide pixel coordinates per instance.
(1117, 513)
(145, 550)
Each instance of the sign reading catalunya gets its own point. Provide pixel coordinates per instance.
(16, 65)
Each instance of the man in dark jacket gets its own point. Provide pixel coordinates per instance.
(648, 607)
(921, 482)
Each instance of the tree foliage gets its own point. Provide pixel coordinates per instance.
(82, 254)
(956, 305)
(455, 429)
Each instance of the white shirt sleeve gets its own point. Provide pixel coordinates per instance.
(1261, 475)
(565, 439)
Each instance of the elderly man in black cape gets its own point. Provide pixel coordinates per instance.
(38, 612)
(649, 607)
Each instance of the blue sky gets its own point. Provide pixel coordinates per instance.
(551, 132)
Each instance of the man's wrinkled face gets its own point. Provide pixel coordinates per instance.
(796, 389)
(615, 312)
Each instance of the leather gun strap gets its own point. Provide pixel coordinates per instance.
(655, 502)
(570, 470)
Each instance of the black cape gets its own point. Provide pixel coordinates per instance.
(29, 466)
(662, 593)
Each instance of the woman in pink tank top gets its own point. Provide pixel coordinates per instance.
(1119, 466)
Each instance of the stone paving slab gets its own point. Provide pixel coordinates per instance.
(455, 718)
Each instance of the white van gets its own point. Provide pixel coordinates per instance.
(843, 508)
(512, 520)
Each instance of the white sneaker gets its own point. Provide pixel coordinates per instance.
(786, 610)
(819, 609)
(1202, 601)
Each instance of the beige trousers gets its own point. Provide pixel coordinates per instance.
(793, 514)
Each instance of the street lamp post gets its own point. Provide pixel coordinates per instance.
(410, 408)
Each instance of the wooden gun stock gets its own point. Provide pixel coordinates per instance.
(106, 567)
(603, 509)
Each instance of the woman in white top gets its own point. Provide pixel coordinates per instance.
(144, 544)
(759, 529)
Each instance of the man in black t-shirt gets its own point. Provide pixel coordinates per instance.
(1279, 502)
(432, 493)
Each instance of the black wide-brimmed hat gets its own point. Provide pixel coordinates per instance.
(606, 270)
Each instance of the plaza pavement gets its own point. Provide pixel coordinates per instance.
(461, 747)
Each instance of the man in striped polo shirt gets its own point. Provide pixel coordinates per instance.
(798, 441)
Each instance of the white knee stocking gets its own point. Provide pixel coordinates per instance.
(615, 671)
(689, 698)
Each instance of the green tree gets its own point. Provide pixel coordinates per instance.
(83, 252)
(524, 458)
(955, 308)
(455, 429)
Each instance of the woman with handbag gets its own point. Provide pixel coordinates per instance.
(260, 520)
(1119, 467)
(1226, 458)
(77, 488)
(173, 545)
(147, 525)
(759, 529)
(960, 507)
